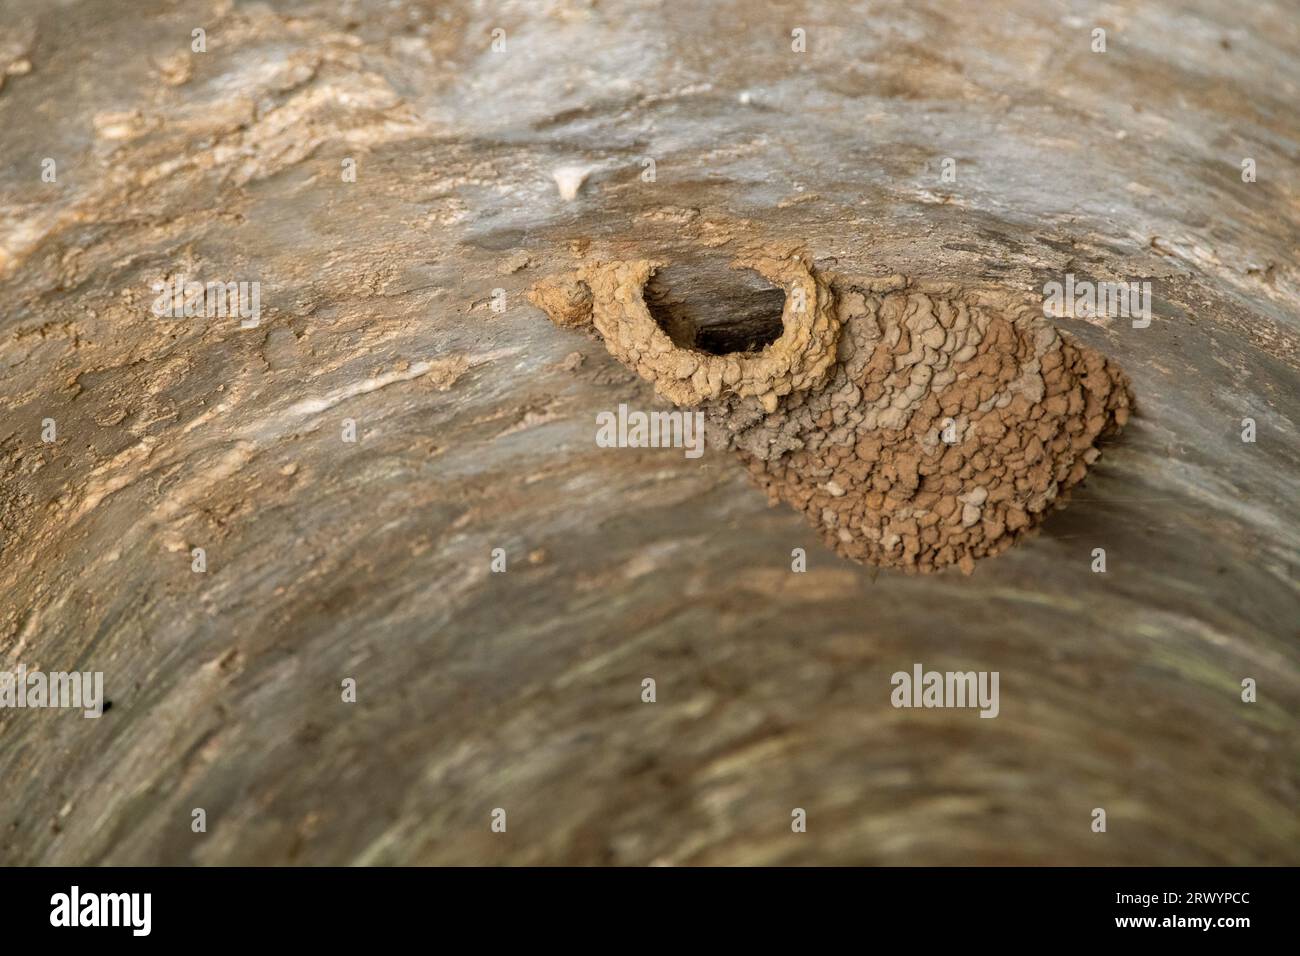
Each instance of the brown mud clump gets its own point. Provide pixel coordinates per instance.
(610, 298)
(916, 424)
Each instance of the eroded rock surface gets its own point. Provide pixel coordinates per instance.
(396, 300)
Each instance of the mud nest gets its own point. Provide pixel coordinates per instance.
(916, 424)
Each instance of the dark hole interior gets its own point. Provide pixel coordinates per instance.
(716, 309)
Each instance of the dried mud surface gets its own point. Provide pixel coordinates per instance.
(475, 431)
(610, 297)
(951, 422)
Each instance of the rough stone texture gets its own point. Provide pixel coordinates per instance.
(475, 429)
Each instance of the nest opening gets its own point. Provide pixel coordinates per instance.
(716, 310)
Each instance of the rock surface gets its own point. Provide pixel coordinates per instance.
(390, 181)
